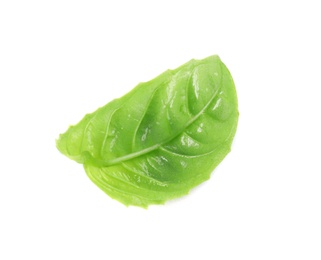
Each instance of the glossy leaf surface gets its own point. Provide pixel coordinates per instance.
(162, 138)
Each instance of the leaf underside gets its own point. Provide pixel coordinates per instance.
(162, 138)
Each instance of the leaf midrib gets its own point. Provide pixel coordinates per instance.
(156, 146)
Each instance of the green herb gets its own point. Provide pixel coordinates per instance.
(162, 138)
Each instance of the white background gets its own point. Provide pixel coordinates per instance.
(62, 59)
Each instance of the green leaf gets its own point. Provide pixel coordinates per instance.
(161, 139)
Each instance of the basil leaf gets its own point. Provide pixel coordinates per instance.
(162, 138)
